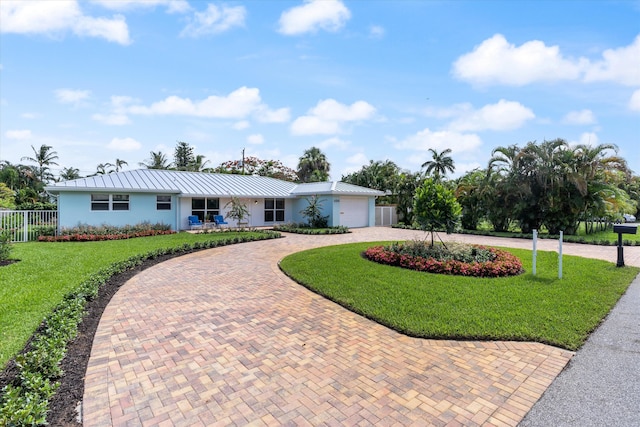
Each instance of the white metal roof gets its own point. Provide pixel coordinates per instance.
(198, 184)
(335, 187)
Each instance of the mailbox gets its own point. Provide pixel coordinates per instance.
(623, 229)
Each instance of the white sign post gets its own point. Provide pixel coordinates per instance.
(535, 244)
(560, 257)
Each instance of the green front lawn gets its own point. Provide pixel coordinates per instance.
(538, 308)
(32, 288)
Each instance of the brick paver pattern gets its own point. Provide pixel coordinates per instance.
(222, 337)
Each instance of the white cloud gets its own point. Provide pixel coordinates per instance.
(634, 102)
(71, 96)
(358, 159)
(19, 135)
(112, 119)
(237, 105)
(582, 117)
(314, 15)
(177, 6)
(328, 115)
(439, 140)
(281, 115)
(586, 138)
(376, 32)
(341, 144)
(118, 115)
(124, 144)
(620, 65)
(113, 30)
(255, 139)
(496, 61)
(30, 116)
(505, 115)
(214, 20)
(55, 17)
(311, 125)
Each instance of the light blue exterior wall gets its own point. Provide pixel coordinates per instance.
(328, 207)
(372, 211)
(74, 208)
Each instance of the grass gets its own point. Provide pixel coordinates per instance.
(538, 308)
(33, 287)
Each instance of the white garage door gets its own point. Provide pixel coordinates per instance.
(354, 212)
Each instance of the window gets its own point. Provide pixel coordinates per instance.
(120, 202)
(107, 202)
(273, 210)
(205, 208)
(99, 202)
(163, 203)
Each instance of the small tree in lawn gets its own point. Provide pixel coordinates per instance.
(435, 208)
(313, 213)
(238, 211)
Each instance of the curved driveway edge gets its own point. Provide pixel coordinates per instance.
(222, 337)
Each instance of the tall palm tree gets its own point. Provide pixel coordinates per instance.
(119, 163)
(158, 160)
(44, 157)
(439, 164)
(313, 166)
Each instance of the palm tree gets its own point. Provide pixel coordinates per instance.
(158, 160)
(440, 163)
(313, 166)
(101, 169)
(69, 173)
(198, 164)
(44, 157)
(119, 163)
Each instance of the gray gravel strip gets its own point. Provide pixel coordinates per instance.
(601, 384)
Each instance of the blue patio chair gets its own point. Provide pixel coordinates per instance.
(194, 222)
(219, 220)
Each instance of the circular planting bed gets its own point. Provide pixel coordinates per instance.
(461, 260)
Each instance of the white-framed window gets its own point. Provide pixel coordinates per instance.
(273, 210)
(109, 202)
(163, 202)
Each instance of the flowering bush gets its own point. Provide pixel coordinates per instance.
(499, 264)
(87, 233)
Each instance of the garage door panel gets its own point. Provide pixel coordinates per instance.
(354, 212)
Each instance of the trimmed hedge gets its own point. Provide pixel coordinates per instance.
(305, 229)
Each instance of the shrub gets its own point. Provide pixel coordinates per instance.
(89, 233)
(307, 229)
(313, 213)
(5, 245)
(464, 260)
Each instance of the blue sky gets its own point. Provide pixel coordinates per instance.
(362, 80)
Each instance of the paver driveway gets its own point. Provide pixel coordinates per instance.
(222, 337)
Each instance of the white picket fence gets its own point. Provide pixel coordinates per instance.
(28, 225)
